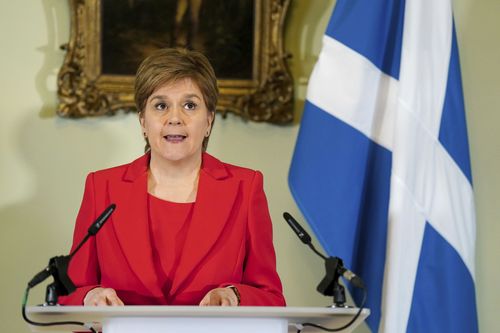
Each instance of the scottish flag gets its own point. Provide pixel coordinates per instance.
(381, 166)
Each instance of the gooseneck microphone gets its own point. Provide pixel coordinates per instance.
(306, 239)
(95, 227)
(301, 233)
(99, 222)
(297, 228)
(330, 285)
(58, 268)
(56, 262)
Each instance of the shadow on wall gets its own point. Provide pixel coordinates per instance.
(57, 16)
(54, 158)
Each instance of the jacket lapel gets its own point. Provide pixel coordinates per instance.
(131, 226)
(216, 195)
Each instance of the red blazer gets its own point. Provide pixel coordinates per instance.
(229, 241)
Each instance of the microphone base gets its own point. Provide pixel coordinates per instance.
(333, 306)
(330, 285)
(51, 295)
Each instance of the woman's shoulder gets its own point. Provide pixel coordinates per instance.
(111, 171)
(127, 170)
(222, 169)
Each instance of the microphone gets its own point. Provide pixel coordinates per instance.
(306, 239)
(57, 263)
(330, 285)
(58, 268)
(94, 228)
(297, 228)
(301, 233)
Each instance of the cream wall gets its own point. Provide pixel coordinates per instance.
(44, 159)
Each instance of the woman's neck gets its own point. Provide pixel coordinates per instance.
(175, 181)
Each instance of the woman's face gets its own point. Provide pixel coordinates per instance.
(176, 120)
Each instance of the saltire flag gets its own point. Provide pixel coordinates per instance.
(381, 166)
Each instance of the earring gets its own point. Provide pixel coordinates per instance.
(208, 134)
(144, 134)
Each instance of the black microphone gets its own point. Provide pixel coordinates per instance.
(297, 228)
(51, 269)
(94, 228)
(306, 239)
(58, 268)
(330, 285)
(301, 233)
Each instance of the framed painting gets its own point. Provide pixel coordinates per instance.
(243, 39)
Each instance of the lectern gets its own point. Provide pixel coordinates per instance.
(193, 319)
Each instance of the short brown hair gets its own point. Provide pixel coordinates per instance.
(169, 65)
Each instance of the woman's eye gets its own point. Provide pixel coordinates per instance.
(160, 106)
(190, 106)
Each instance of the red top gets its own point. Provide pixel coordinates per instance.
(168, 225)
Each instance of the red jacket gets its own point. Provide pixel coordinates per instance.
(229, 241)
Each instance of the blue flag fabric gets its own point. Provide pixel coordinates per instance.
(381, 165)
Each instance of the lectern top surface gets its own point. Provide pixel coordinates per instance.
(194, 311)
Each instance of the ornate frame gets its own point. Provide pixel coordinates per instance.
(84, 92)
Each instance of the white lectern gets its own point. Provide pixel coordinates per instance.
(193, 319)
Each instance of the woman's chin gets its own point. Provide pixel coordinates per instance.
(177, 156)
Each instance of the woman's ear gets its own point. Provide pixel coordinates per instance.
(141, 121)
(210, 119)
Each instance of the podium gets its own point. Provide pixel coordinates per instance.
(191, 319)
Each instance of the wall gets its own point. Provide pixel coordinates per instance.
(44, 159)
(478, 30)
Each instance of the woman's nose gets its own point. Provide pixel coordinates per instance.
(174, 121)
(174, 116)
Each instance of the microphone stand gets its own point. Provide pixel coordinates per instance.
(334, 266)
(62, 284)
(58, 268)
(330, 284)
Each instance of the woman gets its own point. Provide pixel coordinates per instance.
(188, 229)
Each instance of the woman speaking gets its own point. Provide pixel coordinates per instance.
(188, 229)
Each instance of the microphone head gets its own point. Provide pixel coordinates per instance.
(96, 226)
(297, 228)
(111, 208)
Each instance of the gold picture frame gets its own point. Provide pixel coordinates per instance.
(266, 95)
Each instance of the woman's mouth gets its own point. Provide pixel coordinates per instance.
(174, 138)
